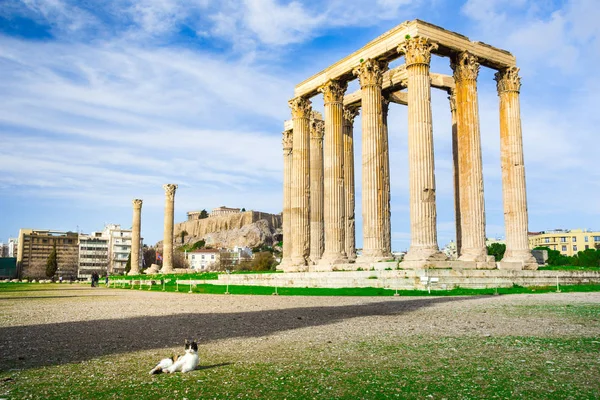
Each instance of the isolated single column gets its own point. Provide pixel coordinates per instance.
(136, 234)
(170, 189)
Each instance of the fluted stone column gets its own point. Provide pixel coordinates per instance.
(170, 189)
(300, 212)
(423, 214)
(455, 176)
(350, 230)
(317, 236)
(287, 197)
(470, 168)
(513, 171)
(374, 211)
(335, 204)
(136, 230)
(385, 161)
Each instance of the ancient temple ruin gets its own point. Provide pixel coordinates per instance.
(318, 212)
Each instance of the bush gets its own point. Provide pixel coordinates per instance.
(497, 250)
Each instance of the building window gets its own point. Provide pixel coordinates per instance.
(546, 240)
(586, 239)
(212, 257)
(563, 239)
(574, 247)
(564, 248)
(574, 238)
(597, 238)
(193, 256)
(203, 256)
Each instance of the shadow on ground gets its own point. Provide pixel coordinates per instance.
(23, 347)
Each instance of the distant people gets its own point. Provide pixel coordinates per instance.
(60, 279)
(95, 278)
(106, 280)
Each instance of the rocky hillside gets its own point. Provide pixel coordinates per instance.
(249, 228)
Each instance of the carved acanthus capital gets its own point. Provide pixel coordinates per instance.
(508, 80)
(370, 72)
(170, 189)
(333, 91)
(317, 129)
(417, 50)
(349, 114)
(452, 98)
(287, 141)
(137, 204)
(301, 107)
(465, 67)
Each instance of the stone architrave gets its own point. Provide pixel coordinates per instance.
(335, 204)
(136, 234)
(287, 197)
(452, 98)
(300, 204)
(470, 168)
(513, 172)
(170, 189)
(317, 241)
(423, 213)
(350, 231)
(374, 211)
(370, 76)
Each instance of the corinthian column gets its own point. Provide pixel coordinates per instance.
(513, 171)
(170, 189)
(136, 229)
(374, 211)
(287, 189)
(423, 214)
(385, 160)
(470, 169)
(335, 205)
(350, 231)
(317, 128)
(300, 212)
(455, 177)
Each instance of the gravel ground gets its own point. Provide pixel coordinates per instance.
(76, 323)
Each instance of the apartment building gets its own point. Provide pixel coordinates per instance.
(568, 241)
(93, 255)
(36, 245)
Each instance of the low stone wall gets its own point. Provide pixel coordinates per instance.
(411, 279)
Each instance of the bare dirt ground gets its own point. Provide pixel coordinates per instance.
(74, 323)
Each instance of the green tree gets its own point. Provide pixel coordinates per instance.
(203, 214)
(263, 261)
(497, 250)
(183, 234)
(588, 258)
(557, 259)
(149, 254)
(243, 210)
(52, 262)
(128, 265)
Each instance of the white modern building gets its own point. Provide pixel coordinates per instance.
(203, 259)
(119, 247)
(13, 247)
(93, 254)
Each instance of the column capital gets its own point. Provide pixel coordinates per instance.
(317, 129)
(301, 107)
(370, 72)
(465, 66)
(452, 98)
(508, 80)
(137, 203)
(350, 113)
(170, 189)
(416, 50)
(333, 91)
(287, 140)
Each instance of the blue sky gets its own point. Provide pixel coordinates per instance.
(104, 101)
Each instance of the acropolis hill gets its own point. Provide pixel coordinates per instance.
(243, 228)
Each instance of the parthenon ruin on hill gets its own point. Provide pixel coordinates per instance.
(318, 211)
